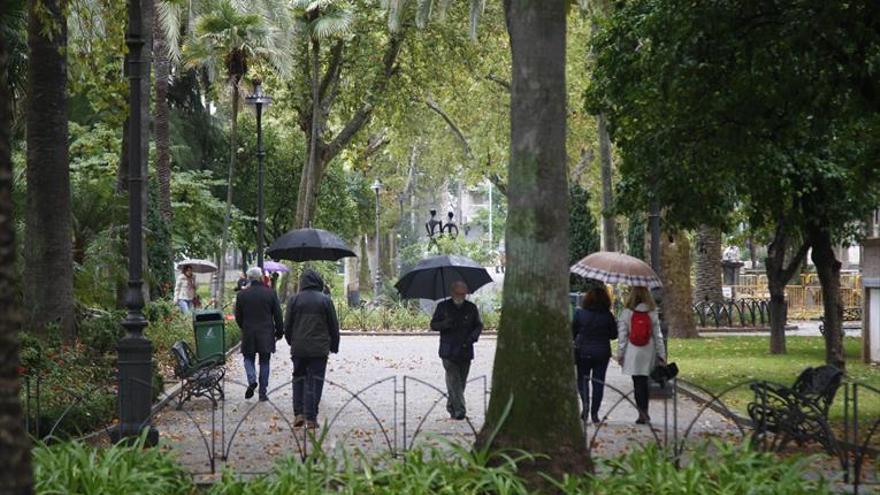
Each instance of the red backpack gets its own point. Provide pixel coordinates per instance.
(640, 328)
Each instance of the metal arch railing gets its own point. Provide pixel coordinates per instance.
(732, 313)
(854, 449)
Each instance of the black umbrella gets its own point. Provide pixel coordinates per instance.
(309, 245)
(431, 277)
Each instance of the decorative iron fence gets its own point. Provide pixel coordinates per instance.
(733, 313)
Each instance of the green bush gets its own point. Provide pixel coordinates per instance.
(398, 317)
(713, 468)
(75, 467)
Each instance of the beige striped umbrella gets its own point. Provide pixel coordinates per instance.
(617, 268)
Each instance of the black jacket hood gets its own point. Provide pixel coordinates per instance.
(311, 280)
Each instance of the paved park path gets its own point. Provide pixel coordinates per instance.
(263, 434)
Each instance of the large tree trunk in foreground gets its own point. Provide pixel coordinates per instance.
(227, 217)
(708, 265)
(828, 269)
(15, 477)
(48, 251)
(675, 272)
(534, 335)
(778, 275)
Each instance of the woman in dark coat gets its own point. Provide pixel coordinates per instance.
(593, 328)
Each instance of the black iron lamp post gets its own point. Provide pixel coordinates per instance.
(134, 351)
(258, 100)
(377, 282)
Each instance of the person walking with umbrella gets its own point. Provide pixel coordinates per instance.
(459, 324)
(312, 330)
(258, 314)
(593, 328)
(185, 290)
(640, 344)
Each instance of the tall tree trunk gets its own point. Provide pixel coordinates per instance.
(609, 225)
(708, 265)
(48, 251)
(227, 217)
(779, 273)
(309, 180)
(161, 115)
(15, 476)
(828, 269)
(535, 323)
(675, 272)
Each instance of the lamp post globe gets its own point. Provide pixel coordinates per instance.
(258, 100)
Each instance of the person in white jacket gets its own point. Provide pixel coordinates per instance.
(640, 344)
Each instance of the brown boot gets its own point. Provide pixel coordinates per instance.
(299, 421)
(311, 424)
(643, 418)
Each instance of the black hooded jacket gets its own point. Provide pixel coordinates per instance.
(310, 325)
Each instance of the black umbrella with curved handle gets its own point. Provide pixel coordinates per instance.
(309, 245)
(431, 277)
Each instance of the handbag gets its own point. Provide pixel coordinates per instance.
(664, 372)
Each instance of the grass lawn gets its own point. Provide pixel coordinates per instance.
(718, 363)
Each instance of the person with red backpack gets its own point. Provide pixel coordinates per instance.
(640, 344)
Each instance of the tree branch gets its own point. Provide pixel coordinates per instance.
(362, 115)
(331, 77)
(584, 161)
(452, 126)
(499, 80)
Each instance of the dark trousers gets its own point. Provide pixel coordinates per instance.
(591, 370)
(456, 379)
(640, 389)
(308, 383)
(250, 369)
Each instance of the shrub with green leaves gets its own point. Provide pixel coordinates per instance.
(75, 467)
(713, 468)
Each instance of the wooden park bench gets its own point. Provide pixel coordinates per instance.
(798, 413)
(198, 378)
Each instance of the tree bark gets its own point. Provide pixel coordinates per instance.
(778, 275)
(828, 269)
(609, 225)
(325, 152)
(675, 272)
(161, 116)
(15, 477)
(709, 265)
(227, 217)
(49, 297)
(534, 329)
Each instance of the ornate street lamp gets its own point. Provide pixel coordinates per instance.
(258, 100)
(134, 351)
(377, 282)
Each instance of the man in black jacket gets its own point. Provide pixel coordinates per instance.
(312, 330)
(258, 314)
(459, 324)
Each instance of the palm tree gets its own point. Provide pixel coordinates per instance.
(48, 253)
(229, 35)
(708, 265)
(14, 442)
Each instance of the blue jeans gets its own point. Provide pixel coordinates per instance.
(308, 383)
(185, 306)
(251, 371)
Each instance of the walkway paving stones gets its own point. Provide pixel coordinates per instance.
(378, 369)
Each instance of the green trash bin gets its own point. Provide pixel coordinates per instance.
(210, 332)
